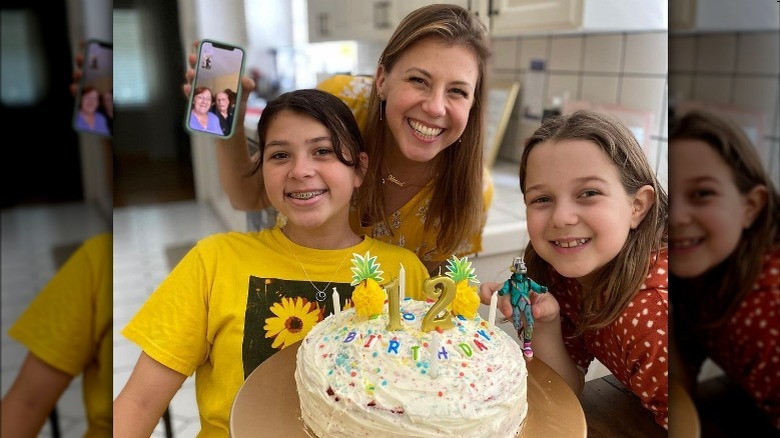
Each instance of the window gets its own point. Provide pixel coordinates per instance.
(130, 69)
(24, 65)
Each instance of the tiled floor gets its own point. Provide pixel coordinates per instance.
(145, 238)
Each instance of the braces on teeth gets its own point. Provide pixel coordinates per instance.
(307, 195)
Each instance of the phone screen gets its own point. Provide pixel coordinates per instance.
(94, 109)
(216, 88)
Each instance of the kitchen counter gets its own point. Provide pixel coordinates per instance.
(505, 235)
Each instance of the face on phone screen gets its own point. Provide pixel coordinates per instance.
(94, 112)
(215, 89)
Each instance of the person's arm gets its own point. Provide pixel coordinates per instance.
(147, 393)
(32, 397)
(548, 336)
(246, 191)
(548, 343)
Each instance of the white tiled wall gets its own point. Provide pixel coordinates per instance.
(735, 69)
(626, 69)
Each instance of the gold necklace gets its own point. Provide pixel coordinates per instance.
(393, 179)
(321, 295)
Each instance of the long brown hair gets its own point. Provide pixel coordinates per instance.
(610, 289)
(712, 298)
(456, 205)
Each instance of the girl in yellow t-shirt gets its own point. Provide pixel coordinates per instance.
(237, 298)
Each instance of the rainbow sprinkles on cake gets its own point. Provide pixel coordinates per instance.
(394, 366)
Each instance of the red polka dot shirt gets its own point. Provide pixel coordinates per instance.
(747, 347)
(634, 346)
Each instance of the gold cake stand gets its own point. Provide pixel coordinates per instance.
(267, 402)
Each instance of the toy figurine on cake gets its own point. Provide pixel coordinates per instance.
(519, 287)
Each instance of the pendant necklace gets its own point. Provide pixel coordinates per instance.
(321, 295)
(393, 179)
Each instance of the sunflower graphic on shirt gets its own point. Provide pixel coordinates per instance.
(294, 318)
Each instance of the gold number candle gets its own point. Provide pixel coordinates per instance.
(442, 289)
(393, 305)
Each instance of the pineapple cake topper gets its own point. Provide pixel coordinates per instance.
(466, 301)
(368, 296)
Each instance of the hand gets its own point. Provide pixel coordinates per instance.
(247, 85)
(545, 307)
(74, 86)
(504, 305)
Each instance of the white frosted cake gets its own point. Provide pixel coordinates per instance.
(356, 378)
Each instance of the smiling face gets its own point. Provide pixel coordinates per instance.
(202, 102)
(303, 178)
(578, 212)
(707, 212)
(90, 101)
(429, 94)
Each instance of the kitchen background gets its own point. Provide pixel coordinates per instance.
(615, 55)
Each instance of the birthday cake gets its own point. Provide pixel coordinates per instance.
(357, 377)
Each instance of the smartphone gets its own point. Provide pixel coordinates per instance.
(94, 108)
(216, 89)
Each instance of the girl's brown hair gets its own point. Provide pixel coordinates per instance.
(610, 289)
(456, 204)
(713, 297)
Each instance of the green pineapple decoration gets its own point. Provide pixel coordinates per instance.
(368, 296)
(466, 300)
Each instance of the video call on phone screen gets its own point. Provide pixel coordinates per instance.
(215, 90)
(94, 112)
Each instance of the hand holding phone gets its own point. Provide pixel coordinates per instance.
(216, 89)
(94, 108)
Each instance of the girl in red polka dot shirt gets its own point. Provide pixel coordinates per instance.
(725, 266)
(596, 218)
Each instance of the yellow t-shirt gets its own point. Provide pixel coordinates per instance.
(407, 224)
(69, 326)
(237, 298)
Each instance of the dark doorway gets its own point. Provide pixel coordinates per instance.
(152, 153)
(41, 161)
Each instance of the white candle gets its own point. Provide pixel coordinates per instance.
(336, 302)
(402, 281)
(435, 345)
(492, 314)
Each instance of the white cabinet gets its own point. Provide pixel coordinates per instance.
(723, 15)
(365, 20)
(328, 21)
(516, 17)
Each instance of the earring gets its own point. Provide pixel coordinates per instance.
(382, 104)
